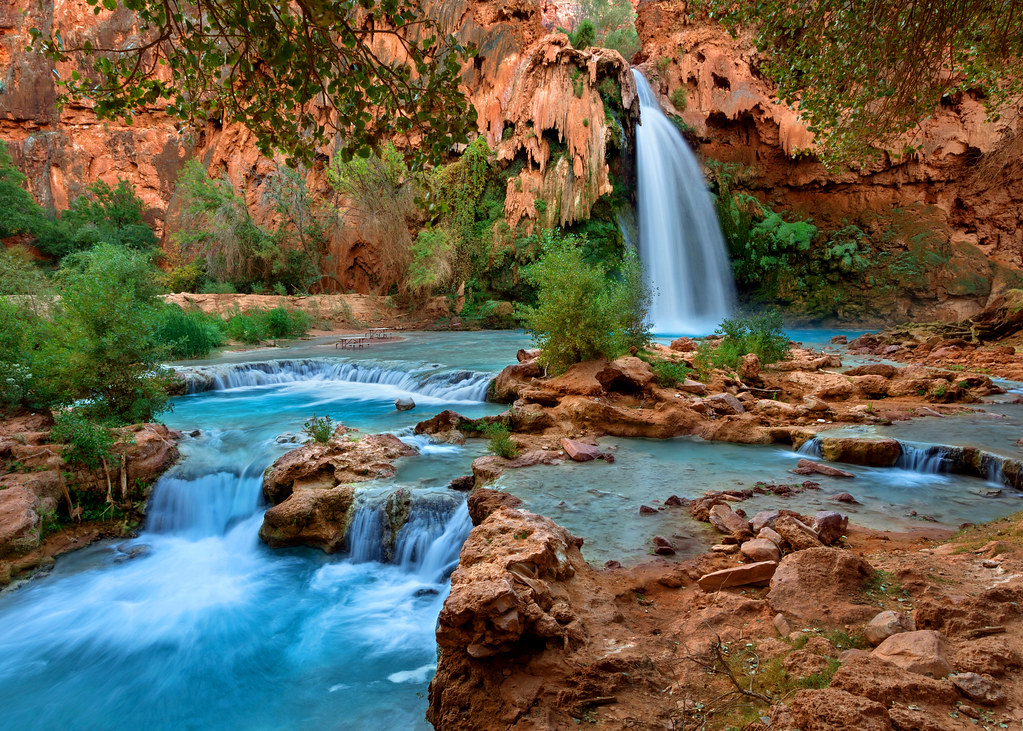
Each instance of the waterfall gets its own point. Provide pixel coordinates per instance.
(926, 459)
(680, 241)
(810, 448)
(452, 385)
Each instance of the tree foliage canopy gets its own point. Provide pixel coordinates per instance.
(865, 72)
(295, 72)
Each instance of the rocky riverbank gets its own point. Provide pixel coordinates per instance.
(49, 507)
(879, 631)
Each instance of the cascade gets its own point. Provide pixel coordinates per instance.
(680, 241)
(450, 385)
(926, 459)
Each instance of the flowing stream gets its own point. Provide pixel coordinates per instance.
(197, 625)
(680, 241)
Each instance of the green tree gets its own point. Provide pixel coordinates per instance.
(19, 212)
(108, 215)
(583, 310)
(613, 25)
(295, 73)
(863, 73)
(104, 351)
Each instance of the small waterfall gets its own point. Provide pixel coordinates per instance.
(680, 241)
(456, 385)
(926, 459)
(204, 506)
(427, 544)
(810, 448)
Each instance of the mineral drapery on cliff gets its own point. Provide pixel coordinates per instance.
(968, 168)
(538, 101)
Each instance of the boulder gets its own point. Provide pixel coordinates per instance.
(873, 369)
(484, 501)
(749, 367)
(817, 584)
(809, 467)
(987, 655)
(527, 418)
(538, 395)
(404, 403)
(830, 526)
(339, 461)
(694, 387)
(886, 624)
(978, 688)
(625, 375)
(505, 387)
(525, 355)
(488, 468)
(854, 450)
(19, 521)
(825, 386)
(763, 518)
(700, 508)
(844, 497)
(315, 517)
(684, 345)
(836, 710)
(579, 451)
(509, 592)
(769, 534)
(745, 575)
(863, 674)
(923, 651)
(725, 403)
(796, 533)
(726, 521)
(761, 549)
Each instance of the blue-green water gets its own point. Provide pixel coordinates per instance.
(208, 628)
(211, 629)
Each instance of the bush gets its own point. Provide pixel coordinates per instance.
(254, 326)
(210, 287)
(184, 278)
(320, 428)
(85, 443)
(670, 373)
(188, 334)
(583, 311)
(679, 98)
(499, 440)
(104, 348)
(584, 36)
(282, 323)
(762, 334)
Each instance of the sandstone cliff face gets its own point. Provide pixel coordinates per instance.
(970, 170)
(521, 77)
(63, 151)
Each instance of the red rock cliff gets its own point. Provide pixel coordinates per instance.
(969, 169)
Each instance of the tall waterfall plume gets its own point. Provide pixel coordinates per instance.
(680, 241)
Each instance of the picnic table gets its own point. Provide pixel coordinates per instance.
(379, 332)
(351, 341)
